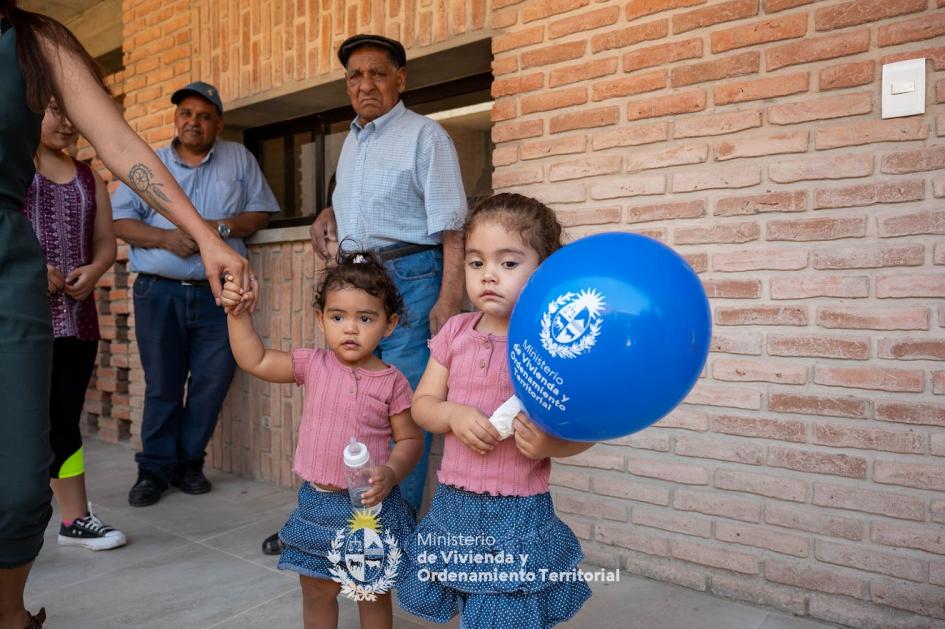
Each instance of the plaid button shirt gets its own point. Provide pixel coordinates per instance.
(398, 182)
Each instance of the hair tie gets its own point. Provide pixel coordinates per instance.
(359, 259)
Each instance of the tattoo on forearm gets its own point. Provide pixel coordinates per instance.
(141, 179)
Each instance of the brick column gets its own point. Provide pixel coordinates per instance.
(158, 60)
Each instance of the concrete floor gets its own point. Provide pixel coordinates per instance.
(194, 562)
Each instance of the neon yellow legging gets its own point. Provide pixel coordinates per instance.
(73, 466)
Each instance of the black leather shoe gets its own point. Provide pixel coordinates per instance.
(272, 545)
(147, 490)
(190, 480)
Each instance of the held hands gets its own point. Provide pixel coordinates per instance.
(234, 298)
(55, 282)
(219, 260)
(474, 429)
(382, 481)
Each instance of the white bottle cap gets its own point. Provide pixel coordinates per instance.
(356, 453)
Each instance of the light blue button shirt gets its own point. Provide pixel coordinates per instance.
(225, 184)
(398, 181)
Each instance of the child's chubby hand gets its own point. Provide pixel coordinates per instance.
(474, 429)
(383, 480)
(531, 440)
(233, 297)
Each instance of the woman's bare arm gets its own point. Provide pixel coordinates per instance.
(96, 117)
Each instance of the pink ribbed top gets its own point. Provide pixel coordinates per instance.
(479, 376)
(340, 403)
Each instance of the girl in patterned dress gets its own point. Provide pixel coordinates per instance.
(68, 207)
(349, 392)
(491, 545)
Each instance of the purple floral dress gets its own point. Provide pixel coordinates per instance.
(63, 217)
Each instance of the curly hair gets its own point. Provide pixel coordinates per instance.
(362, 270)
(535, 222)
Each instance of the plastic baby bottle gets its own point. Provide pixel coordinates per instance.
(358, 470)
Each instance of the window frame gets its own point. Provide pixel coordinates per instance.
(319, 125)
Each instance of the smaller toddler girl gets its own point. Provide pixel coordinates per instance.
(349, 392)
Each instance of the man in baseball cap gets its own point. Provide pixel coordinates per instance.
(182, 335)
(199, 88)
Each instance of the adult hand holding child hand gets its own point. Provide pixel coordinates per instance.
(234, 298)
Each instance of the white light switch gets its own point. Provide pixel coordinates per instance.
(904, 88)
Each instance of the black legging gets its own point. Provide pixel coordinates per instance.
(73, 362)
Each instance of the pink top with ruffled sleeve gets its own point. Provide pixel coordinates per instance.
(479, 376)
(343, 402)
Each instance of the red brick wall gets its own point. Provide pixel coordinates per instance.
(259, 420)
(158, 41)
(264, 45)
(806, 469)
(157, 61)
(107, 403)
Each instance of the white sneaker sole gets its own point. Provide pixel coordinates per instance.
(94, 543)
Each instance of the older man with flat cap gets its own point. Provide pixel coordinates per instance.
(181, 332)
(399, 192)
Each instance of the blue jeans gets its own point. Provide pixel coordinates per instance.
(183, 341)
(418, 278)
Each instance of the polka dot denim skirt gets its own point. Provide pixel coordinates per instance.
(319, 516)
(501, 561)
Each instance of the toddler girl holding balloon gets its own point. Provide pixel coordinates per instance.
(491, 545)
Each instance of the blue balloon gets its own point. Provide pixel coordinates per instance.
(609, 334)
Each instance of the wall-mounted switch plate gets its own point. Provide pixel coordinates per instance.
(904, 88)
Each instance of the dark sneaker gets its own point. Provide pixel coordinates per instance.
(147, 490)
(272, 545)
(90, 532)
(190, 480)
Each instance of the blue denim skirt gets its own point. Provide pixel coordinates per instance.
(503, 561)
(314, 525)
